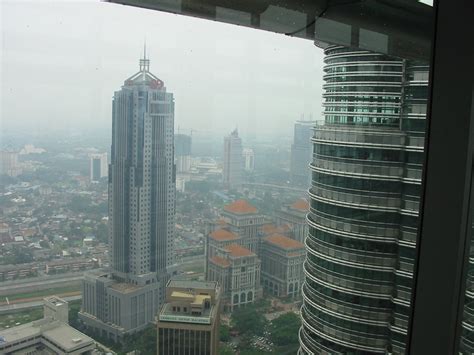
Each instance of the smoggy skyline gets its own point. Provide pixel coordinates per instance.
(62, 61)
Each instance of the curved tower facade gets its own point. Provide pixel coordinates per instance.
(366, 174)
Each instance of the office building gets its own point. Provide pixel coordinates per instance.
(366, 175)
(50, 335)
(237, 269)
(294, 217)
(188, 322)
(142, 196)
(249, 159)
(301, 153)
(98, 166)
(282, 265)
(233, 161)
(182, 152)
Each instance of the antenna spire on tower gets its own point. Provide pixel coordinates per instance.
(144, 62)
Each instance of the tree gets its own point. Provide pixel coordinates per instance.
(102, 233)
(247, 320)
(225, 350)
(284, 329)
(224, 333)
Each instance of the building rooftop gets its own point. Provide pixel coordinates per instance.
(284, 242)
(238, 251)
(223, 235)
(301, 205)
(240, 207)
(67, 337)
(124, 287)
(270, 228)
(168, 315)
(55, 332)
(212, 285)
(220, 261)
(55, 300)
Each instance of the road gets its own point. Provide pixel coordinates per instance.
(25, 305)
(40, 283)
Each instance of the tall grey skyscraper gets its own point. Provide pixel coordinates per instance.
(233, 160)
(301, 153)
(363, 218)
(98, 166)
(142, 193)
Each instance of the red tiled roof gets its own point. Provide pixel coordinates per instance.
(220, 261)
(240, 207)
(269, 228)
(238, 251)
(284, 242)
(222, 235)
(301, 204)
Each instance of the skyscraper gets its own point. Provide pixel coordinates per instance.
(249, 159)
(182, 152)
(301, 153)
(233, 162)
(141, 210)
(366, 176)
(98, 167)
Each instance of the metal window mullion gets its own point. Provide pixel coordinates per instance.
(439, 279)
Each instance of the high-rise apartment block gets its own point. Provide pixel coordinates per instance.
(301, 153)
(142, 196)
(98, 166)
(182, 152)
(249, 159)
(233, 160)
(294, 217)
(282, 265)
(188, 322)
(9, 164)
(363, 218)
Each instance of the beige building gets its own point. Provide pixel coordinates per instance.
(237, 269)
(282, 265)
(188, 322)
(294, 217)
(244, 220)
(48, 336)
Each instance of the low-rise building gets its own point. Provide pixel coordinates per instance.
(294, 216)
(282, 265)
(188, 322)
(237, 269)
(244, 220)
(18, 271)
(48, 336)
(112, 308)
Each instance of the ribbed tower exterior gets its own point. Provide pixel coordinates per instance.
(364, 200)
(126, 298)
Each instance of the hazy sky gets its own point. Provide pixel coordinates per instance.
(61, 61)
